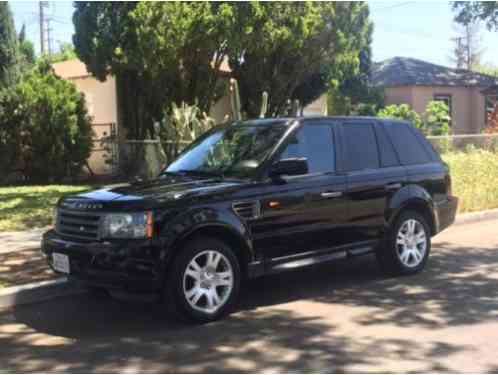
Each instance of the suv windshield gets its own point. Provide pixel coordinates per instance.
(237, 151)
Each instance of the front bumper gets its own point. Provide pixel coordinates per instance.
(133, 265)
(446, 213)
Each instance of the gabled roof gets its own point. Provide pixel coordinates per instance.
(405, 71)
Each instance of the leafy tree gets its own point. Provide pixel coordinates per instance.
(295, 50)
(471, 11)
(26, 50)
(164, 53)
(66, 52)
(160, 53)
(9, 53)
(45, 131)
(401, 112)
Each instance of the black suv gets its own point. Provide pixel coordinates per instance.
(254, 198)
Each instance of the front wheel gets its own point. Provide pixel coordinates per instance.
(204, 281)
(407, 245)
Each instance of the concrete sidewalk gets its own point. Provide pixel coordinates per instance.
(21, 261)
(15, 241)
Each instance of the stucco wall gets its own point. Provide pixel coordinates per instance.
(467, 104)
(399, 95)
(220, 109)
(102, 107)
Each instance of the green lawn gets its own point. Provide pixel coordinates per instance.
(28, 207)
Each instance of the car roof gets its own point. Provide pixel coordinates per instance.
(291, 120)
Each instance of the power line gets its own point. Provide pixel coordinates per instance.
(396, 6)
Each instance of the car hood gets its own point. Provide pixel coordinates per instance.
(165, 189)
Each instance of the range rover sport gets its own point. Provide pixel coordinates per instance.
(254, 198)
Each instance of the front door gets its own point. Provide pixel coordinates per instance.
(303, 214)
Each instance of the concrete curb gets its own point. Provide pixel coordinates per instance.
(37, 292)
(472, 217)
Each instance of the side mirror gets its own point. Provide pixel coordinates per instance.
(289, 167)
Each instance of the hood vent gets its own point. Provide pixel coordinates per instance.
(247, 210)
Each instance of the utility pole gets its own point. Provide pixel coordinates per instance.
(42, 6)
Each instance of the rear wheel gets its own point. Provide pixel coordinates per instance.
(204, 281)
(407, 245)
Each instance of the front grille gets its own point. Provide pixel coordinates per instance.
(78, 224)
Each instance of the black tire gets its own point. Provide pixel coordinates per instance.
(388, 255)
(174, 294)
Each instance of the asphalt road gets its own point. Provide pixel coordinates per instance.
(337, 317)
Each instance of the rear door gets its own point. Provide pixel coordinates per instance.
(373, 175)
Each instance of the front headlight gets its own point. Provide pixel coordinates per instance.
(127, 225)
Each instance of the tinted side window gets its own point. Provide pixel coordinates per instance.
(314, 142)
(360, 146)
(407, 145)
(388, 157)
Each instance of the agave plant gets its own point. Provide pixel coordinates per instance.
(181, 125)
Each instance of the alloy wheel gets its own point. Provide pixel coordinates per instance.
(208, 281)
(411, 243)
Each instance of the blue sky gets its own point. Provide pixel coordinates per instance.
(420, 29)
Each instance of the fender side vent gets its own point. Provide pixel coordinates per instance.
(247, 210)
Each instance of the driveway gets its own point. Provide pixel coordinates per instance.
(332, 318)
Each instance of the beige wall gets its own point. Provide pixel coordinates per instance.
(399, 95)
(467, 104)
(101, 103)
(220, 109)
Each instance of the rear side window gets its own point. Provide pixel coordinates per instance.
(360, 146)
(315, 143)
(388, 156)
(408, 146)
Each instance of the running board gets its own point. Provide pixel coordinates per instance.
(293, 264)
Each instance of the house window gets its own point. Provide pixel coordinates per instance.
(446, 99)
(490, 101)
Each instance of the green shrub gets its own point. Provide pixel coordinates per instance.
(437, 118)
(45, 131)
(401, 112)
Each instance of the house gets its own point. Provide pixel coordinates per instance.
(415, 82)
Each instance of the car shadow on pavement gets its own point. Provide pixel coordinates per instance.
(84, 334)
(459, 286)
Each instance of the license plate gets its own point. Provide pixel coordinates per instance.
(60, 262)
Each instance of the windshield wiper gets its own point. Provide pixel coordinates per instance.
(194, 172)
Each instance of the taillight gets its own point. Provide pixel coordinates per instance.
(448, 185)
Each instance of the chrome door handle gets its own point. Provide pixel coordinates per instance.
(393, 186)
(331, 194)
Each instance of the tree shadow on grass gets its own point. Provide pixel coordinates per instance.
(29, 209)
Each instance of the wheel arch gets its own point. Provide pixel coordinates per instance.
(241, 245)
(416, 199)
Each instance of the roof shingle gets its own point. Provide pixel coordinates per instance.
(405, 71)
